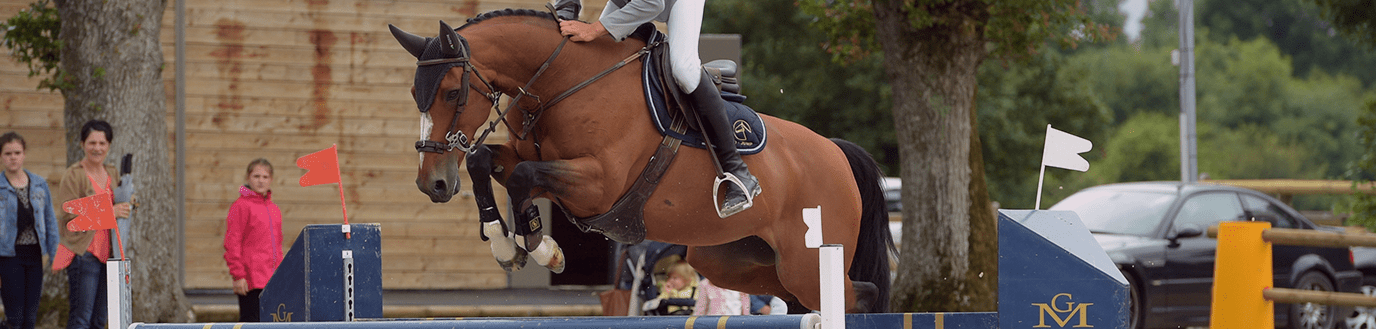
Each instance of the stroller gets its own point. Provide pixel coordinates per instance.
(641, 268)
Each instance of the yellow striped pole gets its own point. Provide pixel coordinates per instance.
(1241, 271)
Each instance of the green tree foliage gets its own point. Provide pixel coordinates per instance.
(31, 36)
(785, 73)
(1363, 171)
(1307, 31)
(1354, 18)
(1016, 104)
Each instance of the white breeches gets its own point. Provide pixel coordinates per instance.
(685, 26)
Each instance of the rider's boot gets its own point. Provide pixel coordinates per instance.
(712, 110)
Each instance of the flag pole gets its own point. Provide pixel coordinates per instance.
(1040, 177)
(343, 208)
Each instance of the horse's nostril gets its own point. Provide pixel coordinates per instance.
(440, 187)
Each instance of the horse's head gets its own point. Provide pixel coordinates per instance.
(444, 89)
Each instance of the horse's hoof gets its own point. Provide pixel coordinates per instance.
(549, 255)
(866, 297)
(517, 261)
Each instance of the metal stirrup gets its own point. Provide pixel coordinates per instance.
(716, 187)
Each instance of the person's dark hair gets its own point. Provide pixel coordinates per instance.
(10, 137)
(100, 125)
(256, 162)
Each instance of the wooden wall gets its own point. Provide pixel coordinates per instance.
(279, 79)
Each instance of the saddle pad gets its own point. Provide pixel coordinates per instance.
(748, 127)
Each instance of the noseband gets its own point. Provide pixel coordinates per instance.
(458, 140)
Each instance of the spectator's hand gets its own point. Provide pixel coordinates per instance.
(764, 310)
(123, 209)
(580, 31)
(241, 287)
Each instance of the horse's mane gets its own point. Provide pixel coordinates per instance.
(505, 13)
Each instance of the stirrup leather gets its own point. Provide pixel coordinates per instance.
(716, 187)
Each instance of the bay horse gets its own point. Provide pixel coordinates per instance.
(584, 150)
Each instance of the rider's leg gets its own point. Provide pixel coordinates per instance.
(685, 25)
(712, 110)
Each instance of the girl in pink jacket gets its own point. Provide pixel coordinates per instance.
(253, 238)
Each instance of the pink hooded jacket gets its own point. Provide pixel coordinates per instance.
(253, 238)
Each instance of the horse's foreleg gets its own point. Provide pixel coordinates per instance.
(493, 229)
(526, 181)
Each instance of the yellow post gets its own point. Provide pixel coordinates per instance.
(1242, 269)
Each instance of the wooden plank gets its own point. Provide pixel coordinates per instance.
(34, 98)
(300, 71)
(395, 92)
(457, 9)
(420, 219)
(19, 118)
(446, 280)
(294, 142)
(216, 103)
(220, 15)
(229, 54)
(1297, 186)
(213, 226)
(287, 123)
(1302, 296)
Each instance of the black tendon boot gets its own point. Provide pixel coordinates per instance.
(711, 110)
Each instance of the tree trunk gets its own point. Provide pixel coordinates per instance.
(933, 75)
(112, 55)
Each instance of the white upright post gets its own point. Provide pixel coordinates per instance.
(833, 273)
(118, 313)
(832, 259)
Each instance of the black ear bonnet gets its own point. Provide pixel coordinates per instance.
(439, 54)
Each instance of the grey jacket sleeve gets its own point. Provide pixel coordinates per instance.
(621, 21)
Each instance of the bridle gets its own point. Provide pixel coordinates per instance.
(456, 139)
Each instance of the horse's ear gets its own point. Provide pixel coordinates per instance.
(414, 44)
(450, 45)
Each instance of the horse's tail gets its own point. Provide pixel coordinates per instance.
(871, 261)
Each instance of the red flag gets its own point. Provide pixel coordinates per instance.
(321, 167)
(94, 212)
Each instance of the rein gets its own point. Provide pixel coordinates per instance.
(458, 140)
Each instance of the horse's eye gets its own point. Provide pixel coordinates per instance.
(453, 95)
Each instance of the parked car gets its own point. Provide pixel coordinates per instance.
(1364, 259)
(1154, 232)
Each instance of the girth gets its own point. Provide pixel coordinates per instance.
(625, 222)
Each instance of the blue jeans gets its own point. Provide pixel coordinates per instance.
(21, 285)
(86, 287)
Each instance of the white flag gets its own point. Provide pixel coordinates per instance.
(812, 217)
(1063, 150)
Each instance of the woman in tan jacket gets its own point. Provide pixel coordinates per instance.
(86, 270)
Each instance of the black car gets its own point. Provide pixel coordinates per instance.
(1365, 260)
(1154, 231)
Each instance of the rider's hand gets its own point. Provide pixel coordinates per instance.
(582, 32)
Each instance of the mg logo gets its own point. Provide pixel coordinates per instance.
(281, 316)
(1070, 310)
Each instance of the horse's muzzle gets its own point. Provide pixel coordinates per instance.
(439, 190)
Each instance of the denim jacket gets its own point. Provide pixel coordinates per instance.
(45, 220)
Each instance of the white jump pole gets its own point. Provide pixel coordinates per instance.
(833, 261)
(117, 308)
(831, 258)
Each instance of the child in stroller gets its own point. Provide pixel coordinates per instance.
(647, 268)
